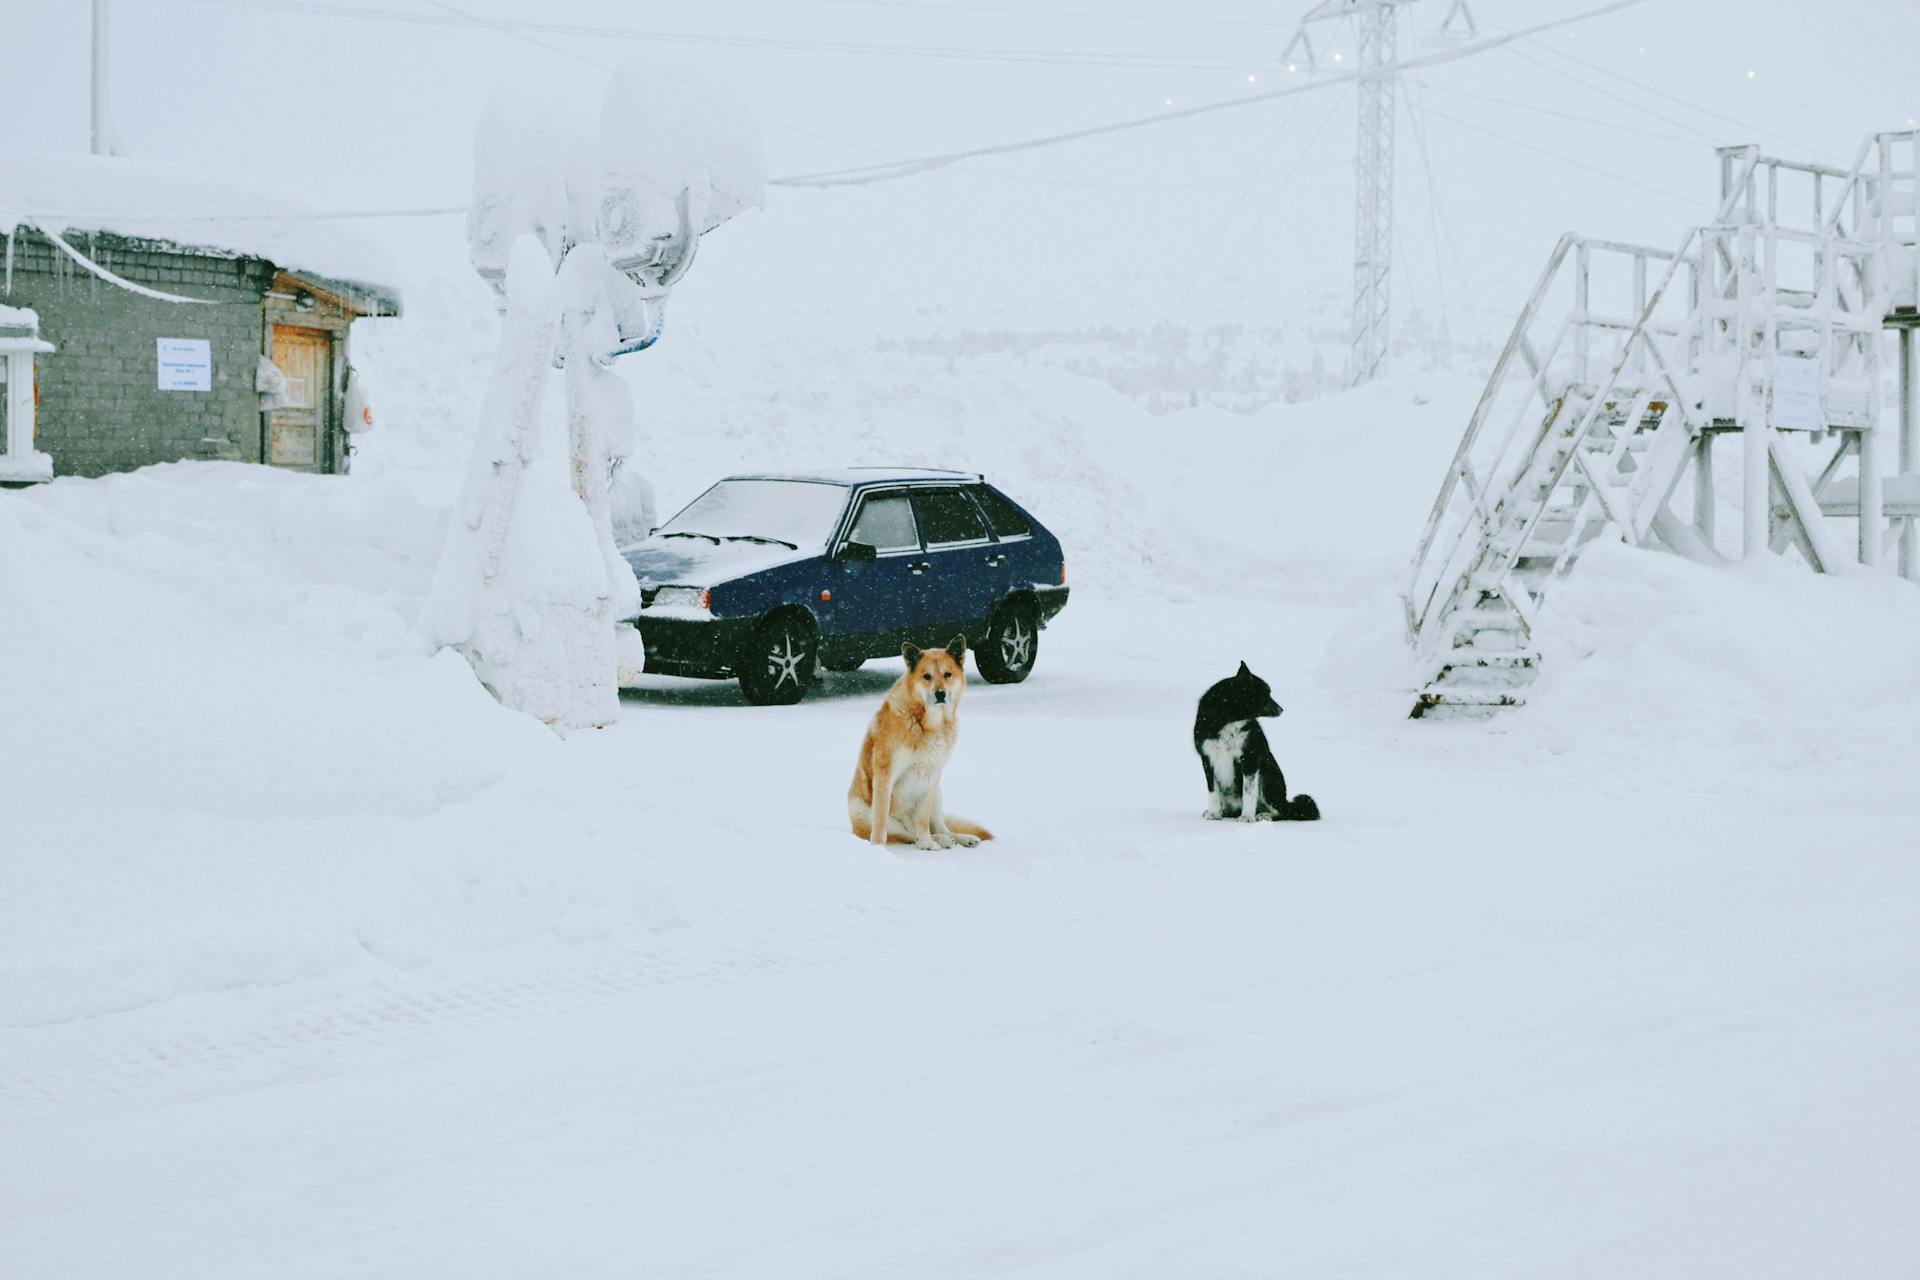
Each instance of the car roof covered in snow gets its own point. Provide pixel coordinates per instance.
(865, 475)
(190, 210)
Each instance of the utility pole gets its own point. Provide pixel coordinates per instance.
(102, 127)
(1376, 28)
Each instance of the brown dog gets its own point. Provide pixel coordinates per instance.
(908, 745)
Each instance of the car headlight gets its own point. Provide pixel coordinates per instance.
(683, 598)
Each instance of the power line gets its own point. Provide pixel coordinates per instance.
(1163, 18)
(1253, 178)
(1226, 268)
(1562, 73)
(1433, 222)
(522, 36)
(862, 174)
(550, 47)
(1061, 57)
(1567, 160)
(1564, 115)
(108, 219)
(1416, 112)
(1652, 89)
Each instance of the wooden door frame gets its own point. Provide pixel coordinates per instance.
(326, 416)
(325, 312)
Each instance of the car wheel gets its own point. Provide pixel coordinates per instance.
(1012, 642)
(849, 662)
(780, 660)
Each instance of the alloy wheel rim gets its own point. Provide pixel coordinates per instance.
(1016, 644)
(783, 663)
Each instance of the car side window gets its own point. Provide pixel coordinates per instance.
(885, 523)
(947, 517)
(1006, 519)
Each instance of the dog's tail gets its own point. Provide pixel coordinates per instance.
(1300, 809)
(960, 826)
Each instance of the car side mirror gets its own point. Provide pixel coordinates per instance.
(856, 553)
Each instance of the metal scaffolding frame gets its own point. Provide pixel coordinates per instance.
(1628, 364)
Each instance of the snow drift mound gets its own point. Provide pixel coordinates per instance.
(1655, 664)
(1764, 665)
(235, 639)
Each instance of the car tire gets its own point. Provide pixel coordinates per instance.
(780, 660)
(1006, 653)
(844, 663)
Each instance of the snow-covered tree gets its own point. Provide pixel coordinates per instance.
(583, 226)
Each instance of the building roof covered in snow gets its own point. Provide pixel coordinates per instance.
(189, 209)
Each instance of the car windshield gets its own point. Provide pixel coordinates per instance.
(798, 513)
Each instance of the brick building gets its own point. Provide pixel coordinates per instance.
(178, 316)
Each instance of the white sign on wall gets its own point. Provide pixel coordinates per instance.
(1799, 394)
(186, 364)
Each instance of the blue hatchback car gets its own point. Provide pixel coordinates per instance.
(771, 577)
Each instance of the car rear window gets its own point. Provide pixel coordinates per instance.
(885, 523)
(1006, 518)
(946, 516)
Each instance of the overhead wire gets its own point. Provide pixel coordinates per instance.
(1563, 115)
(1226, 268)
(1561, 73)
(1416, 114)
(1565, 159)
(932, 6)
(862, 174)
(1059, 57)
(1433, 226)
(551, 47)
(1643, 87)
(893, 169)
(1253, 178)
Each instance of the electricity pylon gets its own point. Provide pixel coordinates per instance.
(1376, 29)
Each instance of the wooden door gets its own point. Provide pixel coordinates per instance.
(297, 432)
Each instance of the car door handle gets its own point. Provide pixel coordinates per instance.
(920, 566)
(996, 560)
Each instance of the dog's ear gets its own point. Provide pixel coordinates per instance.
(957, 647)
(911, 653)
(1244, 670)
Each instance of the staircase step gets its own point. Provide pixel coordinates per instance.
(1439, 705)
(1509, 658)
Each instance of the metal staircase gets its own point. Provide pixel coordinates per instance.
(1582, 427)
(1625, 365)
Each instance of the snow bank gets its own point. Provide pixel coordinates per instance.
(209, 213)
(1314, 502)
(1758, 667)
(230, 638)
(237, 762)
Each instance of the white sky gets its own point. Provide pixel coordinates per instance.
(353, 113)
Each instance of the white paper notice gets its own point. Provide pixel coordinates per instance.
(1799, 394)
(186, 364)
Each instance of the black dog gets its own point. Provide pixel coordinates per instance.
(1242, 775)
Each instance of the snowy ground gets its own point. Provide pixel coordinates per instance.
(314, 962)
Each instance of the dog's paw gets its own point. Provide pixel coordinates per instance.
(928, 843)
(965, 842)
(1213, 812)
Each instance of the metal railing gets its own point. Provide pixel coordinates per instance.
(1532, 385)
